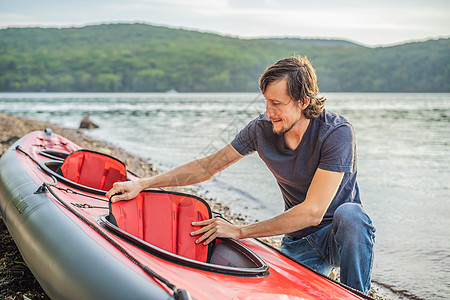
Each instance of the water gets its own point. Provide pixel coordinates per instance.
(403, 144)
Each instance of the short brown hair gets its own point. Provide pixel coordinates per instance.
(301, 80)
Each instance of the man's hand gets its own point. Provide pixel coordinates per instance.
(124, 191)
(214, 228)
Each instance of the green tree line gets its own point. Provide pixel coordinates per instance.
(146, 58)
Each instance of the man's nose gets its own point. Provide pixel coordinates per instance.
(269, 112)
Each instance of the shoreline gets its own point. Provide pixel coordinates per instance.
(16, 280)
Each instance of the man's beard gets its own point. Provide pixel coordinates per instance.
(286, 130)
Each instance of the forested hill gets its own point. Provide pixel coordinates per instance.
(145, 58)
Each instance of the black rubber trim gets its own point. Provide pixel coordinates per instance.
(52, 154)
(260, 271)
(45, 167)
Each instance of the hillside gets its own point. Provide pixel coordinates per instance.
(145, 58)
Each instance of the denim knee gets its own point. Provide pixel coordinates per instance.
(352, 224)
(354, 237)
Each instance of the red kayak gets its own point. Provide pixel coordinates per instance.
(80, 246)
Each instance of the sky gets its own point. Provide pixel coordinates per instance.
(371, 23)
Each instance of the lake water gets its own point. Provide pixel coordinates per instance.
(403, 147)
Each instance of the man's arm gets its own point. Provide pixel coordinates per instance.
(193, 172)
(321, 192)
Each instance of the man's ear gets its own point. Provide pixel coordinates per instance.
(303, 103)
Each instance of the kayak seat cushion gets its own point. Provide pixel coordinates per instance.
(93, 169)
(164, 219)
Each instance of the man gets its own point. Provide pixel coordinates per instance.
(311, 152)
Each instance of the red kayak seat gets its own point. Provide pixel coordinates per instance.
(93, 169)
(164, 219)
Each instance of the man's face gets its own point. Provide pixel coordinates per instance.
(281, 108)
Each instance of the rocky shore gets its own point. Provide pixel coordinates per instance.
(16, 280)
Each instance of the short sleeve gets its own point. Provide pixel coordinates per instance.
(338, 152)
(245, 140)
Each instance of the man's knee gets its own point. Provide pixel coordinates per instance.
(349, 213)
(352, 223)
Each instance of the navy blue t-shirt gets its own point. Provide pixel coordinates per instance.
(328, 143)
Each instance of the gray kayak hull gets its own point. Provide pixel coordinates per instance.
(67, 263)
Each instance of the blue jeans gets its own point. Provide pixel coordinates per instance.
(347, 243)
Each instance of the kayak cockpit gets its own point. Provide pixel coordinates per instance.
(227, 256)
(86, 170)
(157, 221)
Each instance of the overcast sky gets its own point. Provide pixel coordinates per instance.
(374, 22)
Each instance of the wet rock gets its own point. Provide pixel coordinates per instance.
(86, 123)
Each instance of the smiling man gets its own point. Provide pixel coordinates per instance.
(312, 154)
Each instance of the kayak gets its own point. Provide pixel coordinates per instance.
(79, 245)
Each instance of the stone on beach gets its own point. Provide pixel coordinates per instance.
(86, 123)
